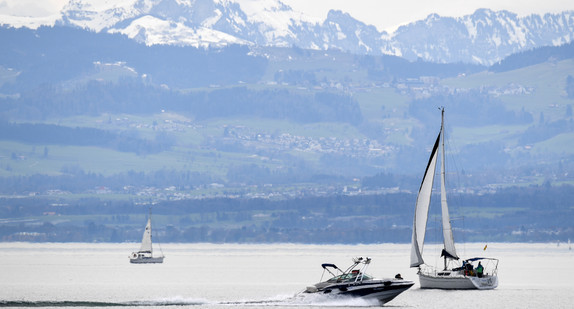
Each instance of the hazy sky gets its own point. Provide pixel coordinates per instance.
(384, 14)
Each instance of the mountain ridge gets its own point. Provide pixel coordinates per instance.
(484, 37)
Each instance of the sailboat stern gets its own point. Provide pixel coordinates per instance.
(485, 283)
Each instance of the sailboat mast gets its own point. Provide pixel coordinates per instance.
(150, 233)
(442, 181)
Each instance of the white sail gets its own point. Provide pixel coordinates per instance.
(146, 239)
(446, 227)
(422, 209)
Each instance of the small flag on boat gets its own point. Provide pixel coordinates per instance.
(484, 247)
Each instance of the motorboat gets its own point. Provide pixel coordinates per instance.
(355, 282)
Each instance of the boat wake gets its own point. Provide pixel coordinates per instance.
(307, 300)
(300, 300)
(73, 303)
(326, 300)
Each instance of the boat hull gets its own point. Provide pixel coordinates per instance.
(381, 290)
(458, 282)
(146, 260)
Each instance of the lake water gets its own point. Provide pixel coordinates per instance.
(256, 276)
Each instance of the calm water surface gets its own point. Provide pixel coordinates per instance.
(255, 276)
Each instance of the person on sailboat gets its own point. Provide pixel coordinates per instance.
(468, 268)
(479, 270)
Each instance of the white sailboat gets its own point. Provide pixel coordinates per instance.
(474, 273)
(145, 254)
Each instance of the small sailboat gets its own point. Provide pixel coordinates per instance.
(145, 254)
(473, 273)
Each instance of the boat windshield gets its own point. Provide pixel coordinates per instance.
(348, 277)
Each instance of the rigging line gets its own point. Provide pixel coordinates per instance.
(454, 178)
(159, 244)
(156, 240)
(461, 232)
(463, 236)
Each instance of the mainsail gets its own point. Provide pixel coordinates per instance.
(146, 239)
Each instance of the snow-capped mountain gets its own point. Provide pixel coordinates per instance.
(191, 22)
(484, 37)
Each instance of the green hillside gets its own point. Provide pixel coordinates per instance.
(201, 145)
(538, 89)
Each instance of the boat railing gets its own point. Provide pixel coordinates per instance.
(326, 268)
(490, 268)
(351, 273)
(489, 265)
(429, 270)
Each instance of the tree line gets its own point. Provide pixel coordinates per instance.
(534, 56)
(57, 54)
(135, 97)
(48, 134)
(536, 213)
